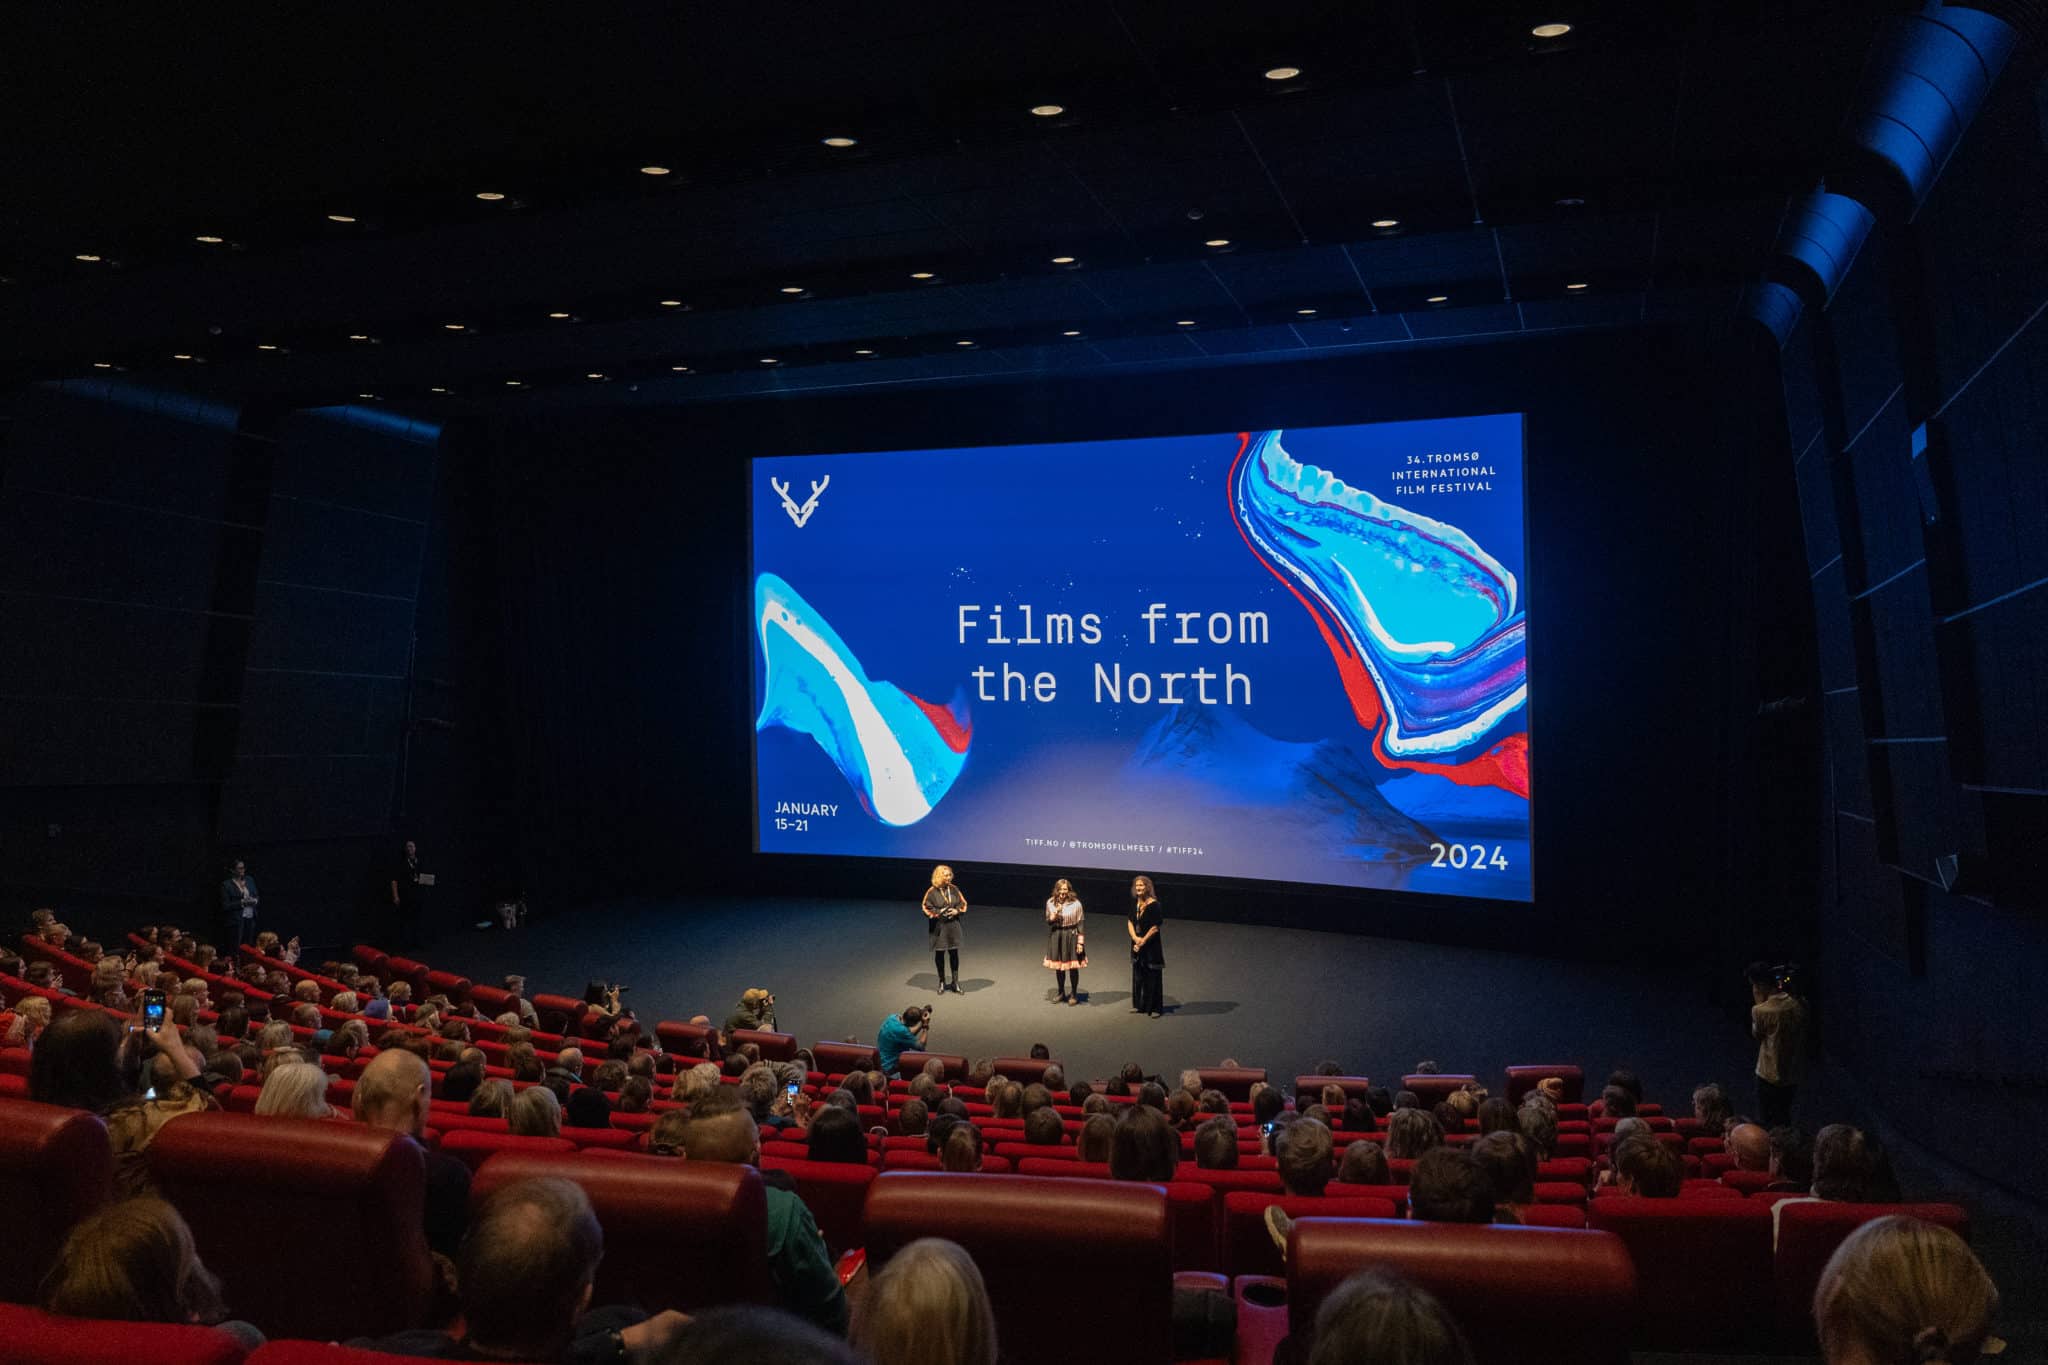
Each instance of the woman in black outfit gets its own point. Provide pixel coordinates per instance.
(943, 906)
(1148, 954)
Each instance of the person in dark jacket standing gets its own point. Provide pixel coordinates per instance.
(1148, 953)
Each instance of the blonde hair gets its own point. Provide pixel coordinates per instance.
(942, 867)
(31, 1011)
(1904, 1291)
(296, 1090)
(928, 1306)
(534, 1112)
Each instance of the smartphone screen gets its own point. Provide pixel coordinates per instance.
(793, 1088)
(1266, 1128)
(152, 1009)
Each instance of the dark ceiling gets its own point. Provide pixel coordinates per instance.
(1632, 171)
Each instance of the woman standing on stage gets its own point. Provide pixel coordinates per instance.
(943, 907)
(1148, 954)
(1065, 947)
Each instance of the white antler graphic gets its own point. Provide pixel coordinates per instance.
(802, 514)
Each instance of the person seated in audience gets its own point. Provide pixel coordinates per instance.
(534, 1112)
(1712, 1109)
(960, 1152)
(1901, 1290)
(1212, 1102)
(1616, 1102)
(1180, 1111)
(85, 1061)
(1040, 1053)
(393, 1095)
(1153, 1096)
(134, 1261)
(1791, 1165)
(345, 1002)
(1097, 1135)
(1509, 1160)
(31, 1017)
(1043, 1127)
(760, 1090)
(1427, 1067)
(1410, 1133)
(1376, 1318)
(1055, 1082)
(1033, 1096)
(524, 1275)
(755, 1011)
(1647, 1169)
(1129, 1077)
(1321, 1114)
(1006, 1098)
(109, 985)
(1750, 1145)
(1449, 1186)
(1464, 1106)
(1496, 1115)
(923, 1087)
(1097, 1104)
(1216, 1145)
(515, 986)
(1364, 1163)
(1267, 1104)
(1850, 1166)
(610, 1077)
(665, 1138)
(43, 976)
(927, 1306)
(1307, 1157)
(720, 1129)
(295, 1092)
(979, 1073)
(587, 1108)
(635, 1095)
(1623, 1079)
(835, 1135)
(526, 1067)
(1406, 1099)
(1143, 1146)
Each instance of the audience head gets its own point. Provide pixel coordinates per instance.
(1750, 1145)
(1180, 1110)
(912, 1117)
(721, 1129)
(526, 1267)
(1448, 1186)
(1648, 1169)
(1307, 1157)
(1406, 1099)
(1538, 1123)
(928, 1306)
(835, 1135)
(1382, 1103)
(1216, 1144)
(587, 1108)
(1152, 1095)
(1212, 1102)
(1447, 1117)
(1616, 1102)
(1266, 1104)
(1792, 1156)
(1365, 1163)
(1144, 1147)
(1496, 1115)
(1902, 1290)
(77, 1063)
(1711, 1107)
(394, 1092)
(1035, 1096)
(1097, 1136)
(1385, 1320)
(665, 1138)
(961, 1150)
(492, 1098)
(296, 1091)
(1410, 1133)
(1040, 1052)
(1043, 1127)
(1510, 1162)
(133, 1261)
(534, 1112)
(1851, 1166)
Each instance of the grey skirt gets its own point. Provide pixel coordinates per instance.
(1063, 948)
(944, 933)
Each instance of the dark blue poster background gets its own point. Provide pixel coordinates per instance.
(1292, 655)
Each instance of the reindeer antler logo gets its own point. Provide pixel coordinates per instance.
(802, 514)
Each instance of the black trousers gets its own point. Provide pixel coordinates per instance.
(1060, 975)
(942, 958)
(1774, 1103)
(1147, 987)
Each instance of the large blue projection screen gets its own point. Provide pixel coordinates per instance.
(1282, 655)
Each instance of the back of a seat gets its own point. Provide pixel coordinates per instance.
(1309, 1089)
(1523, 1079)
(1235, 1082)
(1524, 1296)
(677, 1234)
(473, 1148)
(409, 970)
(1435, 1088)
(55, 1169)
(910, 1063)
(1809, 1232)
(839, 1059)
(1703, 1266)
(836, 1193)
(1248, 1249)
(321, 1353)
(1231, 1181)
(1109, 1241)
(251, 1187)
(29, 1336)
(375, 961)
(1023, 1070)
(561, 1013)
(775, 1047)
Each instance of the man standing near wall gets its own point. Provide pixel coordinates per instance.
(1777, 1020)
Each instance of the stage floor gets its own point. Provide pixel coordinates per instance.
(1280, 998)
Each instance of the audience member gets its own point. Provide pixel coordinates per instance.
(534, 1112)
(1364, 1163)
(134, 1261)
(1510, 1162)
(1410, 1133)
(1406, 1099)
(1306, 1157)
(1711, 1108)
(1096, 1138)
(1496, 1115)
(1043, 1127)
(1212, 1102)
(1750, 1145)
(587, 1108)
(665, 1138)
(83, 1061)
(911, 1117)
(1144, 1146)
(393, 1094)
(720, 1129)
(1216, 1145)
(1791, 1159)
(1850, 1166)
(31, 1017)
(492, 1098)
(1448, 1186)
(1381, 1103)
(960, 1152)
(1267, 1104)
(1617, 1103)
(635, 1095)
(1375, 1318)
(1901, 1290)
(1040, 1053)
(756, 1011)
(928, 1306)
(1647, 1168)
(524, 1275)
(298, 1091)
(835, 1135)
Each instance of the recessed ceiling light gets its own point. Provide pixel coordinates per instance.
(769, 360)
(1551, 30)
(366, 395)
(559, 317)
(1571, 201)
(266, 346)
(181, 356)
(1185, 322)
(511, 383)
(792, 289)
(679, 369)
(671, 303)
(1048, 110)
(594, 374)
(1063, 260)
(1283, 73)
(103, 365)
(1438, 298)
(1071, 332)
(654, 170)
(209, 239)
(1305, 312)
(1576, 284)
(358, 336)
(1385, 223)
(963, 343)
(489, 196)
(1217, 241)
(453, 326)
(840, 141)
(862, 350)
(340, 218)
(922, 275)
(437, 389)
(85, 256)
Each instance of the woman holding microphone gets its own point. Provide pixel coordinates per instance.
(943, 907)
(1066, 950)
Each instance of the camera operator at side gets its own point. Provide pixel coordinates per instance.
(901, 1033)
(1777, 1020)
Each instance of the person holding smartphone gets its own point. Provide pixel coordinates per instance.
(944, 904)
(137, 1080)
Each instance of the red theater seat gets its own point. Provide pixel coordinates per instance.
(55, 1169)
(1703, 1267)
(1552, 1215)
(473, 1148)
(561, 1014)
(1023, 1070)
(375, 961)
(491, 1001)
(415, 973)
(1397, 1195)
(836, 1192)
(910, 1063)
(1311, 1087)
(1055, 1253)
(251, 1188)
(677, 1234)
(775, 1047)
(1235, 1082)
(1230, 1182)
(29, 1336)
(1523, 1079)
(321, 1353)
(1809, 1232)
(1248, 1248)
(1524, 1296)
(1748, 1182)
(838, 1059)
(1432, 1090)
